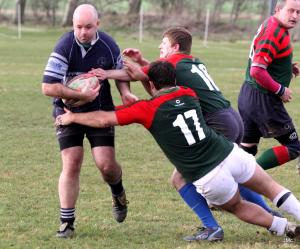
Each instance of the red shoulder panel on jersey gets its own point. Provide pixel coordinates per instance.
(143, 112)
(173, 59)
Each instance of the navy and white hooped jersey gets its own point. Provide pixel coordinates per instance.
(69, 59)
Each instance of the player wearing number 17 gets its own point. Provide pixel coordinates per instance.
(174, 118)
(175, 48)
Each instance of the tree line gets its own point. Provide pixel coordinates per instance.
(48, 11)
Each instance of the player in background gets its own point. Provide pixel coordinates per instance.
(266, 88)
(75, 53)
(173, 117)
(218, 114)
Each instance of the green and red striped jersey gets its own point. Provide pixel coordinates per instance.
(271, 49)
(192, 73)
(175, 120)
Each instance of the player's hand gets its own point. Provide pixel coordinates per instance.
(296, 69)
(287, 95)
(90, 94)
(64, 119)
(129, 98)
(135, 72)
(134, 54)
(100, 73)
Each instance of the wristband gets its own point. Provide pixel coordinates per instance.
(281, 90)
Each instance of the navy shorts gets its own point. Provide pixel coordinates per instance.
(226, 122)
(73, 135)
(263, 114)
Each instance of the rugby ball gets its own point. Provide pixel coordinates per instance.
(82, 83)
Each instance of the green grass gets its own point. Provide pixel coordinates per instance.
(30, 161)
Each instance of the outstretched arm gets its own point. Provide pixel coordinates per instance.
(114, 74)
(136, 56)
(97, 119)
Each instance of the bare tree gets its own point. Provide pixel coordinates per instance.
(217, 10)
(20, 5)
(45, 9)
(134, 7)
(200, 7)
(71, 6)
(236, 8)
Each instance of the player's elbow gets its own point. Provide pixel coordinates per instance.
(51, 90)
(255, 72)
(46, 89)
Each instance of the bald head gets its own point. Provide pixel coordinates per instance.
(85, 23)
(85, 11)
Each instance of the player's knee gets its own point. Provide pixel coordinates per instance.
(110, 170)
(251, 150)
(294, 150)
(177, 180)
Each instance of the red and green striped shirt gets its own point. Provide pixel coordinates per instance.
(271, 49)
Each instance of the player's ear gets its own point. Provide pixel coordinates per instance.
(152, 88)
(176, 47)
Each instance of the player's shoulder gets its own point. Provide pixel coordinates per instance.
(107, 39)
(273, 29)
(66, 39)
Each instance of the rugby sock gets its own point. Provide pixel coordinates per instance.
(274, 157)
(117, 188)
(287, 202)
(278, 225)
(254, 197)
(198, 204)
(67, 215)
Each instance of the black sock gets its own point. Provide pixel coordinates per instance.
(67, 215)
(117, 189)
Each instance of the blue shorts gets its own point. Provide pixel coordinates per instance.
(263, 114)
(226, 122)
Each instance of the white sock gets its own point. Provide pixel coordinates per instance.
(290, 205)
(278, 225)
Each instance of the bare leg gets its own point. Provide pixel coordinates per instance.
(248, 212)
(105, 160)
(68, 185)
(104, 157)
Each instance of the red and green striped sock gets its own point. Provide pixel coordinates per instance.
(274, 157)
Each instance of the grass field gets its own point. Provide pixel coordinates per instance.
(30, 161)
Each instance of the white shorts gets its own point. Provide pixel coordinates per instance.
(220, 185)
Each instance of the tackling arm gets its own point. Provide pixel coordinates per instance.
(97, 119)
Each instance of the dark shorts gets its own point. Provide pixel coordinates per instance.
(264, 115)
(73, 135)
(226, 122)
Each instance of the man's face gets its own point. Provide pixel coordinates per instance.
(85, 28)
(289, 14)
(166, 49)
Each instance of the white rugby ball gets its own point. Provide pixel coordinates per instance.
(82, 83)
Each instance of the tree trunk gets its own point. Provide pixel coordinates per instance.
(68, 16)
(264, 10)
(134, 7)
(235, 11)
(22, 4)
(218, 5)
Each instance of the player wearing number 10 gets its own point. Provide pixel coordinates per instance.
(174, 118)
